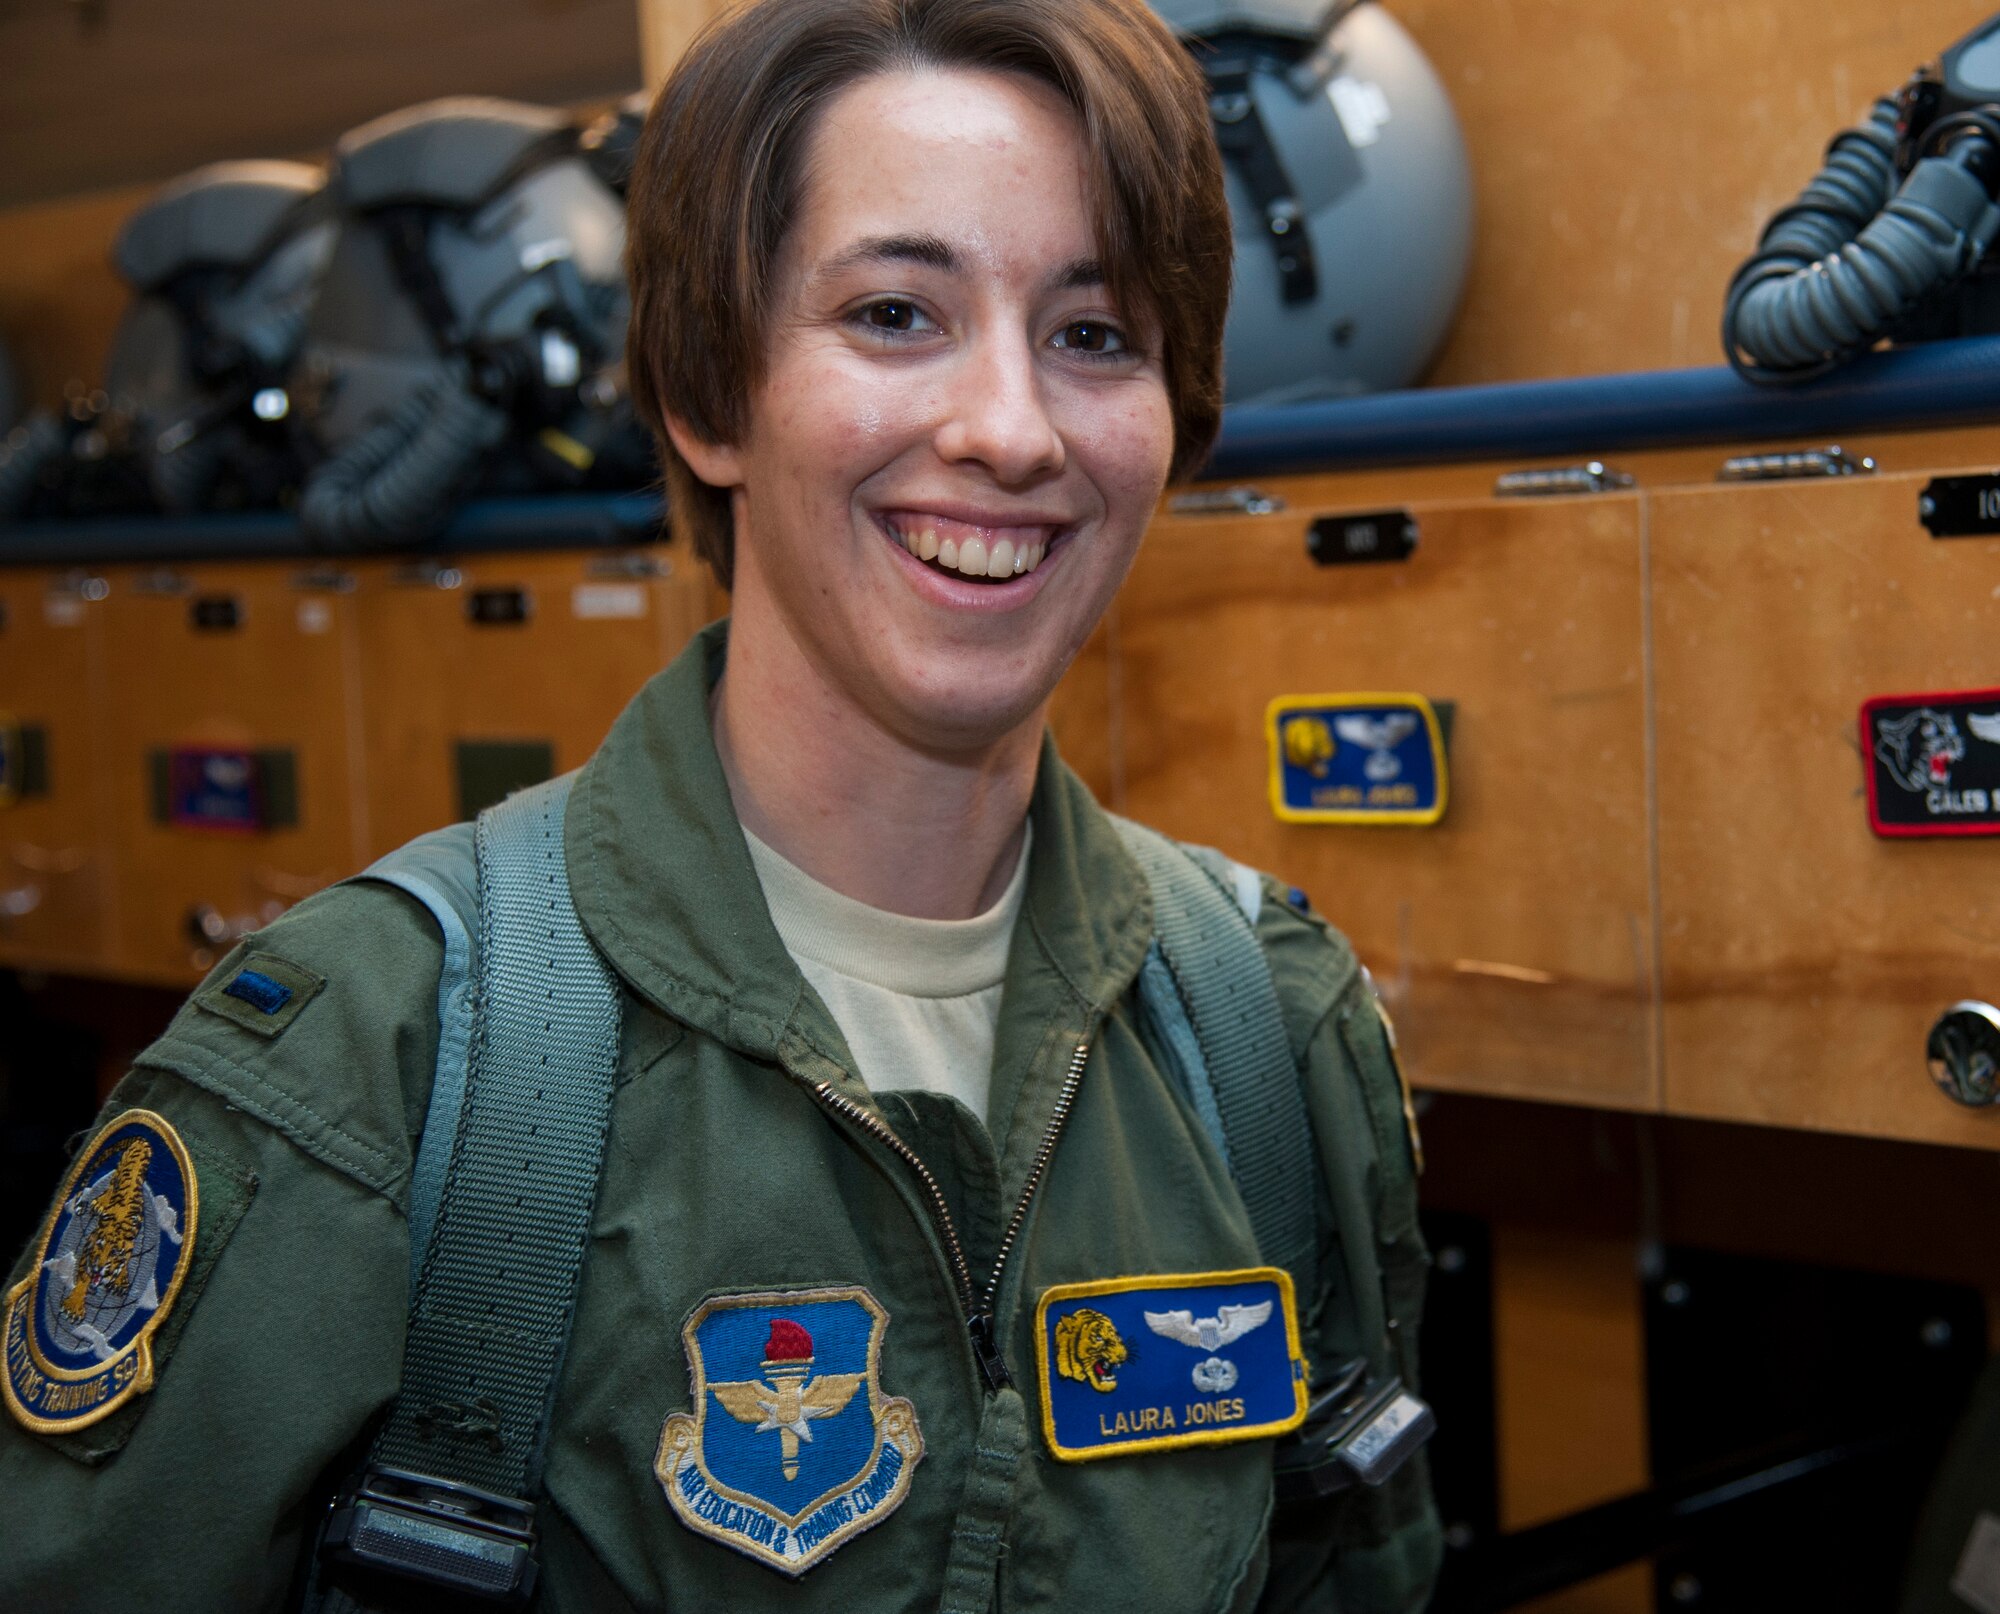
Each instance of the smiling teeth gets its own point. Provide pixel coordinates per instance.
(974, 557)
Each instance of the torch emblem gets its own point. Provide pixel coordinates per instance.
(793, 1398)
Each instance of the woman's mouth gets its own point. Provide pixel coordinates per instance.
(985, 553)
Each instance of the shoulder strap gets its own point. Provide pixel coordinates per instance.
(446, 1493)
(1207, 991)
(441, 871)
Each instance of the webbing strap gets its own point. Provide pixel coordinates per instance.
(1226, 991)
(490, 1320)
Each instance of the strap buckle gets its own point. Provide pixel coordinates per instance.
(1360, 1431)
(420, 1527)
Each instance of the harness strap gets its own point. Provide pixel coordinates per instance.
(490, 1318)
(1210, 998)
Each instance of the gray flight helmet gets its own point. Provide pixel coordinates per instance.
(1349, 189)
(222, 265)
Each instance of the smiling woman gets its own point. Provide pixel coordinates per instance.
(820, 1059)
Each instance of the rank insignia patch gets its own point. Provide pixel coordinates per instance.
(1933, 763)
(1151, 1364)
(1356, 759)
(108, 1267)
(792, 1449)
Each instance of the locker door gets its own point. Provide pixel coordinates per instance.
(485, 673)
(232, 785)
(1512, 940)
(1805, 957)
(54, 886)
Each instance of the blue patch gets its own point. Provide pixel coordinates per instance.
(262, 993)
(792, 1448)
(1356, 759)
(211, 789)
(107, 1269)
(1152, 1364)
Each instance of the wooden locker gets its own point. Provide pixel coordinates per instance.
(1804, 957)
(1513, 940)
(487, 672)
(231, 775)
(55, 886)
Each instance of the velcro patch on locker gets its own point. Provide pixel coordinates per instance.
(1933, 763)
(263, 994)
(1356, 759)
(1156, 1363)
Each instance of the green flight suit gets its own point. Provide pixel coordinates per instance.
(726, 1173)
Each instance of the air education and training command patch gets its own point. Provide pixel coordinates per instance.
(1356, 759)
(1152, 1364)
(792, 1449)
(110, 1262)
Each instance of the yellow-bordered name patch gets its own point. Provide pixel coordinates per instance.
(108, 1267)
(1356, 759)
(1155, 1363)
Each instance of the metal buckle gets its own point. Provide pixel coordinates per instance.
(1357, 1432)
(420, 1527)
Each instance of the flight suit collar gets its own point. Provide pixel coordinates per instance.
(663, 881)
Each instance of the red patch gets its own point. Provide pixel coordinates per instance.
(788, 1342)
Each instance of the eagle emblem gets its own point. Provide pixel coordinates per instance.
(792, 1448)
(107, 1269)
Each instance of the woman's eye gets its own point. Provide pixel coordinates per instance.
(894, 314)
(1091, 336)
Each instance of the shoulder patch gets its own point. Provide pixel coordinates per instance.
(263, 994)
(1156, 1363)
(109, 1265)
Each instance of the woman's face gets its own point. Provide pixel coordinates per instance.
(958, 440)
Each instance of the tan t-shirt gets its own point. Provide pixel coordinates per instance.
(917, 999)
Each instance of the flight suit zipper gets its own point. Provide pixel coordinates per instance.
(977, 1306)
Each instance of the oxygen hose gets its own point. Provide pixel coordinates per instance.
(1841, 267)
(397, 479)
(24, 453)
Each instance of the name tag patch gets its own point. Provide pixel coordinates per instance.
(107, 1270)
(792, 1448)
(1156, 1363)
(1356, 759)
(1933, 763)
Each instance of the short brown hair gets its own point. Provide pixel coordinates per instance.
(714, 189)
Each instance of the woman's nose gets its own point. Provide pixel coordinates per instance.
(997, 414)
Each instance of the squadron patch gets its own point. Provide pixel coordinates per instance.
(792, 1448)
(1155, 1363)
(108, 1267)
(1933, 763)
(1356, 759)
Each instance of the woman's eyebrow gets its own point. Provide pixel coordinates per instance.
(927, 251)
(1079, 274)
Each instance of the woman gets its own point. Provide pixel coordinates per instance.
(928, 300)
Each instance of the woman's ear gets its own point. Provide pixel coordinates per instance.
(720, 465)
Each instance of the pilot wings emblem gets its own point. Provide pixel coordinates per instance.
(1214, 1374)
(790, 1408)
(1209, 1333)
(1379, 736)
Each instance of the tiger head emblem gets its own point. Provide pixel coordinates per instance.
(1088, 1349)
